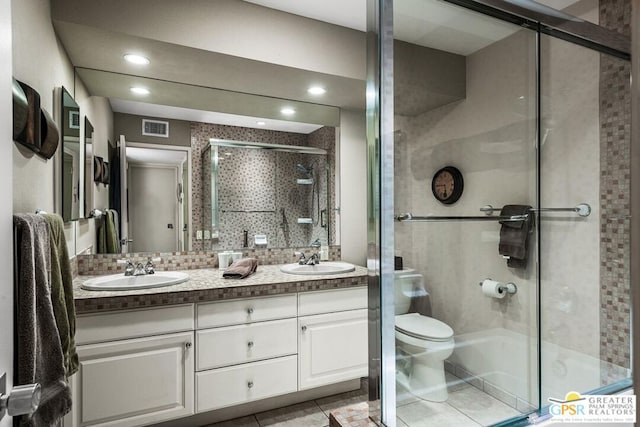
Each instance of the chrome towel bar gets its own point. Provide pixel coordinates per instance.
(433, 218)
(582, 209)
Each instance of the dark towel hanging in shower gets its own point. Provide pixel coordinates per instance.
(514, 235)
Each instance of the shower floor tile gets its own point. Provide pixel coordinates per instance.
(466, 406)
(427, 414)
(480, 407)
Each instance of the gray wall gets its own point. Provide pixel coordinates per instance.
(130, 126)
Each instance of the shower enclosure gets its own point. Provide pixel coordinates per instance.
(499, 183)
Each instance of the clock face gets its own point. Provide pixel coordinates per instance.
(447, 185)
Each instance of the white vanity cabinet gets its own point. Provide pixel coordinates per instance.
(144, 366)
(129, 379)
(332, 336)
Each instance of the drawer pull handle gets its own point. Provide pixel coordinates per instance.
(250, 384)
(304, 328)
(250, 311)
(250, 344)
(187, 345)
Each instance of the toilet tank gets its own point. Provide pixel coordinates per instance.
(407, 284)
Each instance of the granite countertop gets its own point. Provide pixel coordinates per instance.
(209, 285)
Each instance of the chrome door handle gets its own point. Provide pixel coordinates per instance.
(21, 400)
(250, 344)
(304, 329)
(250, 384)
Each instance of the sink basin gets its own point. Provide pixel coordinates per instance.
(329, 267)
(120, 282)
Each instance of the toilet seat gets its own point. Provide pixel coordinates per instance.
(422, 327)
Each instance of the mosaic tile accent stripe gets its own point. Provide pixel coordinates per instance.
(615, 165)
(100, 264)
(208, 285)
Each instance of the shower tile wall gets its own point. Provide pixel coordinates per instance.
(615, 110)
(258, 180)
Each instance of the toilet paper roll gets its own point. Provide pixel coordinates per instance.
(491, 288)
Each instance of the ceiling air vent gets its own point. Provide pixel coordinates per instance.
(155, 128)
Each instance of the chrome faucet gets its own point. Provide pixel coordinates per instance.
(302, 260)
(139, 270)
(149, 268)
(313, 259)
(130, 268)
(316, 244)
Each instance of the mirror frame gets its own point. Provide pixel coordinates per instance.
(68, 126)
(88, 149)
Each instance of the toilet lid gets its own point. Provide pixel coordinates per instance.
(418, 326)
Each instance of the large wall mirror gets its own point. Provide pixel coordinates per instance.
(290, 197)
(70, 127)
(88, 167)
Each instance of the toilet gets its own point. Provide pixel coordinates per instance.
(422, 342)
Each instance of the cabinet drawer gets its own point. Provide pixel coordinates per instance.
(230, 386)
(319, 302)
(246, 310)
(232, 345)
(123, 324)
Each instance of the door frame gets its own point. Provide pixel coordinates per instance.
(6, 207)
(189, 242)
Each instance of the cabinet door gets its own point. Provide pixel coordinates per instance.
(332, 348)
(134, 382)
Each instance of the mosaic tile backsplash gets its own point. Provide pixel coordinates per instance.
(106, 263)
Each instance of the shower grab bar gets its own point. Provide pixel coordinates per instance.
(582, 209)
(434, 218)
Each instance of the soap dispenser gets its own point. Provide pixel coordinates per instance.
(324, 253)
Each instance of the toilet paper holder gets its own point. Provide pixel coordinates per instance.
(508, 287)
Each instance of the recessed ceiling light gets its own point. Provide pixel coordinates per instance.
(136, 59)
(317, 90)
(261, 123)
(288, 111)
(140, 90)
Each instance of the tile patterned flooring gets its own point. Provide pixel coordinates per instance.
(466, 406)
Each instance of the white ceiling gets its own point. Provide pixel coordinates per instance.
(346, 13)
(189, 114)
(430, 23)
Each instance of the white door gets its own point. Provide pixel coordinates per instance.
(319, 336)
(134, 382)
(153, 208)
(6, 205)
(124, 194)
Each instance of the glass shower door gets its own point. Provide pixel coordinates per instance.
(584, 265)
(465, 181)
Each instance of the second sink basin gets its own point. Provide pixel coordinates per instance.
(329, 267)
(120, 282)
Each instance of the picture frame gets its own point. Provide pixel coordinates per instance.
(74, 119)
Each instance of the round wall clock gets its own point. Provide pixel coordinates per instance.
(447, 185)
